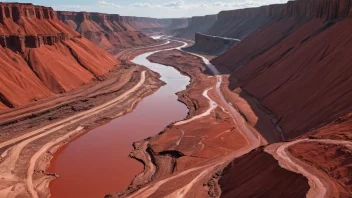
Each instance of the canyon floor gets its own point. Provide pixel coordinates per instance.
(200, 156)
(182, 159)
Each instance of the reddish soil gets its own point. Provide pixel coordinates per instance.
(340, 129)
(334, 160)
(296, 54)
(258, 174)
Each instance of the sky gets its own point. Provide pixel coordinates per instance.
(152, 8)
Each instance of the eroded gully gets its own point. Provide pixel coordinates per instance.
(97, 163)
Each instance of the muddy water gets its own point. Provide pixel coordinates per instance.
(96, 163)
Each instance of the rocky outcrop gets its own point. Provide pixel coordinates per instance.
(110, 31)
(20, 43)
(41, 57)
(258, 174)
(241, 23)
(298, 66)
(199, 24)
(212, 45)
(17, 11)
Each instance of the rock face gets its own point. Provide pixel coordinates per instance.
(241, 23)
(40, 56)
(177, 24)
(110, 31)
(258, 174)
(298, 67)
(212, 45)
(196, 24)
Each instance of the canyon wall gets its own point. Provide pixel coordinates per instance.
(212, 45)
(199, 24)
(41, 57)
(176, 24)
(110, 31)
(241, 23)
(298, 66)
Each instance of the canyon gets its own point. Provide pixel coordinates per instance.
(253, 102)
(111, 31)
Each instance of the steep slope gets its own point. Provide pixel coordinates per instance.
(40, 56)
(258, 174)
(177, 24)
(241, 23)
(199, 24)
(109, 31)
(298, 66)
(212, 45)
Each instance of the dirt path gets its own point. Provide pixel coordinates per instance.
(36, 156)
(320, 184)
(252, 138)
(212, 106)
(7, 167)
(78, 117)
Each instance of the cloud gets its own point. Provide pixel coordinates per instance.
(141, 5)
(70, 7)
(108, 4)
(174, 4)
(181, 4)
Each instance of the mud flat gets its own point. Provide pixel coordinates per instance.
(98, 161)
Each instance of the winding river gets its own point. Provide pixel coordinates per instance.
(97, 162)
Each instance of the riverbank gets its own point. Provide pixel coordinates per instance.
(27, 133)
(115, 139)
(183, 151)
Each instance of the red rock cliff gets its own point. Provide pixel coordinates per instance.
(40, 56)
(110, 31)
(16, 11)
(298, 66)
(241, 23)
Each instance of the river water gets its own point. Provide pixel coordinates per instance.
(97, 162)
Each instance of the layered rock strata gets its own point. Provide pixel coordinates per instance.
(297, 67)
(41, 57)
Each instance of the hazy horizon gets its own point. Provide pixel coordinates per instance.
(151, 8)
